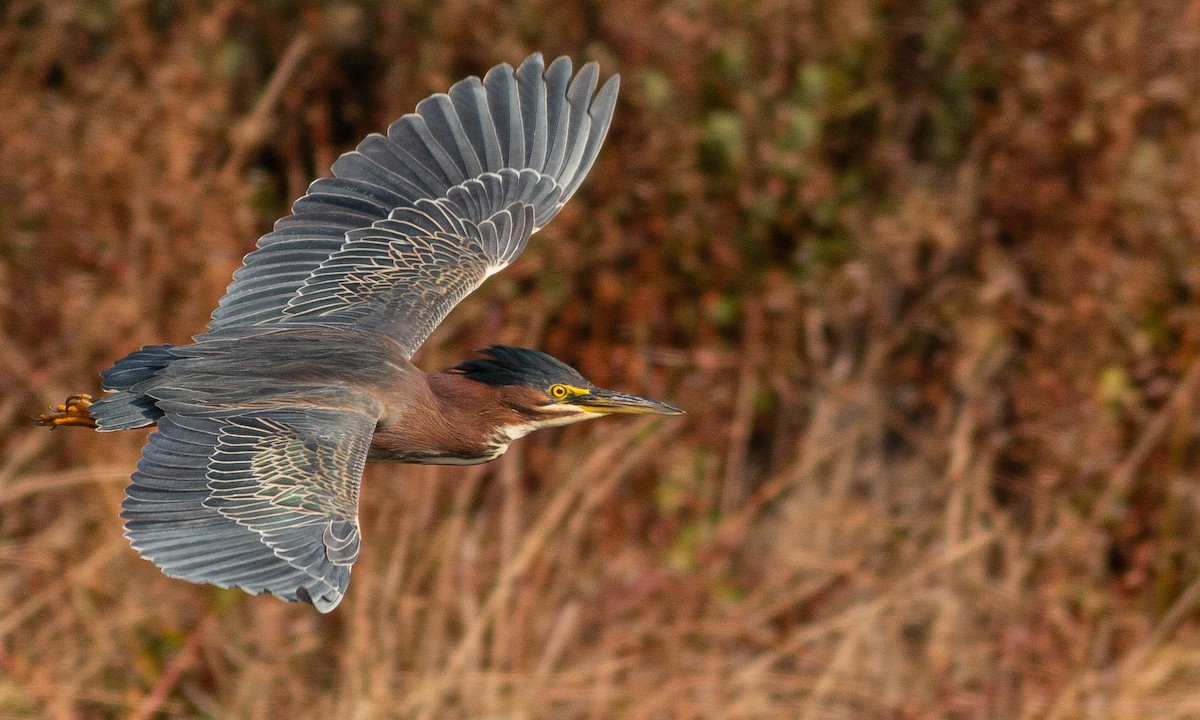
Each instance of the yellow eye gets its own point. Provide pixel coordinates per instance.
(558, 392)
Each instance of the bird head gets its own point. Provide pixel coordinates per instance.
(549, 392)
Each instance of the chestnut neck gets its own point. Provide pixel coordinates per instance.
(448, 418)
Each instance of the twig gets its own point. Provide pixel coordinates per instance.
(1108, 677)
(170, 677)
(1152, 435)
(13, 618)
(743, 412)
(35, 484)
(867, 612)
(535, 540)
(251, 131)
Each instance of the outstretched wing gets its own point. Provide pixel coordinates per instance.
(414, 221)
(402, 275)
(264, 500)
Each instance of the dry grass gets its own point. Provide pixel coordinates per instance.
(925, 275)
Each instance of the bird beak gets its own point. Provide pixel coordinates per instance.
(607, 401)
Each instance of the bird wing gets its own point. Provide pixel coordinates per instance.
(414, 221)
(402, 275)
(261, 499)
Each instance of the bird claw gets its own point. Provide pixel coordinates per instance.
(72, 411)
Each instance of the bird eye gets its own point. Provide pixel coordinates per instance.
(558, 392)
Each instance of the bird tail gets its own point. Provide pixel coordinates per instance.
(126, 408)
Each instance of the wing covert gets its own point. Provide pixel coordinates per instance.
(402, 275)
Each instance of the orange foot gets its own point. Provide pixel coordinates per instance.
(72, 412)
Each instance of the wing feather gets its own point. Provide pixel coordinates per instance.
(580, 93)
(558, 120)
(265, 500)
(471, 107)
(444, 124)
(534, 113)
(504, 103)
(446, 198)
(600, 112)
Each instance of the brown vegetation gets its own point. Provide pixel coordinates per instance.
(925, 276)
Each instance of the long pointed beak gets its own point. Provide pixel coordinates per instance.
(607, 401)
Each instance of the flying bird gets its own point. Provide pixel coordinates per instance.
(303, 375)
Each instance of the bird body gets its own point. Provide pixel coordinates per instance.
(436, 418)
(264, 422)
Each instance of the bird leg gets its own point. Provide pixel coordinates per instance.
(73, 411)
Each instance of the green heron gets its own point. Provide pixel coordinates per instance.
(266, 420)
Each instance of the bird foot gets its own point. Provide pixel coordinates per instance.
(73, 411)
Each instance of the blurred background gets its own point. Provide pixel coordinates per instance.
(925, 276)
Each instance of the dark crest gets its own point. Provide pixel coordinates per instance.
(505, 365)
